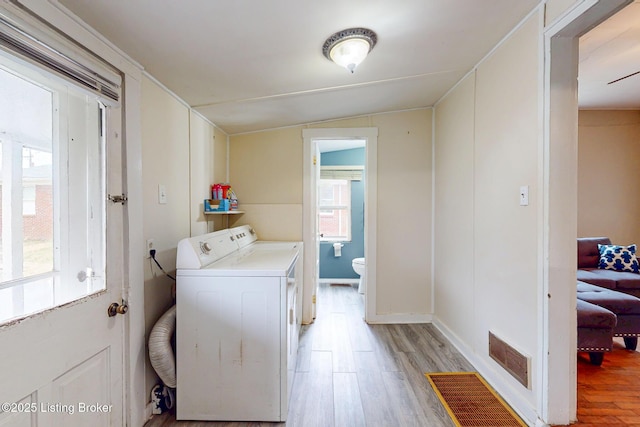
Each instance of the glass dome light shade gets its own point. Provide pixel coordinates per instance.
(350, 53)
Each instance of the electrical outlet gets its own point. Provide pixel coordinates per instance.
(150, 245)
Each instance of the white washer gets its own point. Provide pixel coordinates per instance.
(237, 325)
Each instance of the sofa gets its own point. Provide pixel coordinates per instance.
(607, 300)
(595, 330)
(588, 271)
(626, 308)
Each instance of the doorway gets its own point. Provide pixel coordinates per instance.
(340, 211)
(316, 140)
(558, 366)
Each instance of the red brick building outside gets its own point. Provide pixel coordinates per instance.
(40, 225)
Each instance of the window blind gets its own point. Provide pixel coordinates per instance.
(352, 173)
(93, 76)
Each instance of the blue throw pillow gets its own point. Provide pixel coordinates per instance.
(618, 258)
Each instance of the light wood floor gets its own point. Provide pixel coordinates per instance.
(353, 374)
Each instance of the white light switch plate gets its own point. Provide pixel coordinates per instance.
(524, 195)
(162, 194)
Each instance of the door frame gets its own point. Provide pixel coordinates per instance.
(557, 399)
(309, 209)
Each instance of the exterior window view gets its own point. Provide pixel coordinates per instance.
(26, 126)
(36, 192)
(334, 209)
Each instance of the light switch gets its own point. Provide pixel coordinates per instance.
(524, 195)
(162, 194)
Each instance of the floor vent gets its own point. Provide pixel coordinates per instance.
(471, 402)
(514, 362)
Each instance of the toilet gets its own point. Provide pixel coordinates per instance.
(358, 267)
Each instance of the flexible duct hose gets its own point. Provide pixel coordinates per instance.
(160, 351)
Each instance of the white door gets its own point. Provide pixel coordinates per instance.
(61, 366)
(311, 174)
(316, 271)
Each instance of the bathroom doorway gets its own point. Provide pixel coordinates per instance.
(340, 211)
(348, 223)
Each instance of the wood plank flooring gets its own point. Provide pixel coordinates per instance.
(609, 395)
(353, 374)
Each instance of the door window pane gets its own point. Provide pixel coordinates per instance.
(52, 189)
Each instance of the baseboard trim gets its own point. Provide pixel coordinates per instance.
(340, 281)
(498, 382)
(400, 318)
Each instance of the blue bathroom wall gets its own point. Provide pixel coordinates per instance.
(332, 267)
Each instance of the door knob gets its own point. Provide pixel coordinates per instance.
(116, 308)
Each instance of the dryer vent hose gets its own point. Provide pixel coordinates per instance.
(161, 353)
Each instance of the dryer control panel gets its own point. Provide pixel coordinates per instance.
(244, 235)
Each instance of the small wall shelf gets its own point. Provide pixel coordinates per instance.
(226, 215)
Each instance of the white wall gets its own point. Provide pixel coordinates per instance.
(404, 213)
(486, 244)
(208, 165)
(506, 158)
(266, 171)
(165, 154)
(180, 150)
(201, 159)
(454, 210)
(608, 175)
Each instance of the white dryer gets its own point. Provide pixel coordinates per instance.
(238, 318)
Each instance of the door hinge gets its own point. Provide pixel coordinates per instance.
(118, 198)
(313, 299)
(314, 160)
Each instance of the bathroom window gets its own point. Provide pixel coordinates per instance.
(334, 206)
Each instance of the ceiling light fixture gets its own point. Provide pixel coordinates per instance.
(349, 47)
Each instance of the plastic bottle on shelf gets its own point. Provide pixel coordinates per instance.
(225, 191)
(233, 200)
(216, 191)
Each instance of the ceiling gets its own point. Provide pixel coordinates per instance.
(608, 52)
(250, 65)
